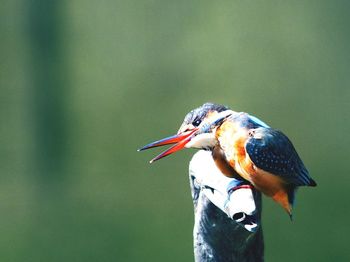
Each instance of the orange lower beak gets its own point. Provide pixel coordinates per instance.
(180, 140)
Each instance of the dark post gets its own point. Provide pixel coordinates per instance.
(218, 237)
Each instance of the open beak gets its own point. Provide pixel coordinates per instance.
(180, 140)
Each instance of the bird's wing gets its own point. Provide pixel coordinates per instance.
(272, 151)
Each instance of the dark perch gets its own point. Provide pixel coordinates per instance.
(219, 238)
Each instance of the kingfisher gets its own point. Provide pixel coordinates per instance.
(243, 147)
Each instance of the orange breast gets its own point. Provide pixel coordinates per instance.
(232, 139)
(220, 161)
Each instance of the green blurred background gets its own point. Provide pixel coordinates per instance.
(85, 83)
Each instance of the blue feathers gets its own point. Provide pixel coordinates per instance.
(271, 151)
(258, 121)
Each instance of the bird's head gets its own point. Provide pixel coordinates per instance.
(196, 131)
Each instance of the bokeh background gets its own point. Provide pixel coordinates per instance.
(85, 83)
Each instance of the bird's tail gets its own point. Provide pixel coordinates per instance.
(285, 197)
(291, 190)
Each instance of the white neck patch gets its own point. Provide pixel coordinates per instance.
(202, 141)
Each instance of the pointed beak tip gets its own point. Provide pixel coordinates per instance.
(142, 148)
(179, 140)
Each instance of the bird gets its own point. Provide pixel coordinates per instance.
(244, 147)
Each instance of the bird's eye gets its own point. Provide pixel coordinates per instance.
(196, 122)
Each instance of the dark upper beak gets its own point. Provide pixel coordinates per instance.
(180, 140)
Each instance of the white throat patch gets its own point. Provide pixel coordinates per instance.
(202, 141)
